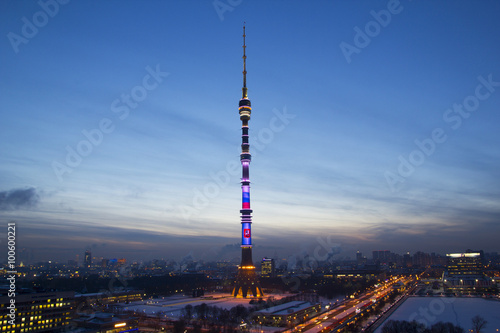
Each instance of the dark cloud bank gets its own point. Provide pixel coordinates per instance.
(18, 199)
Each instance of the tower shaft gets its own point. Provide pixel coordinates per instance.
(246, 281)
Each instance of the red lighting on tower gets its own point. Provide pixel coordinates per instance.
(246, 281)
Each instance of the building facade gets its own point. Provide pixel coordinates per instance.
(37, 312)
(267, 267)
(101, 322)
(287, 314)
(465, 273)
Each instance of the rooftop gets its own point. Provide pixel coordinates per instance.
(286, 308)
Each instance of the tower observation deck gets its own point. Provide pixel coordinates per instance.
(246, 283)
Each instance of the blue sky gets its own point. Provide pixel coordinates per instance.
(374, 126)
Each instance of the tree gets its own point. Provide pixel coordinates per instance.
(201, 311)
(237, 313)
(441, 327)
(478, 323)
(179, 326)
(188, 312)
(214, 312)
(398, 326)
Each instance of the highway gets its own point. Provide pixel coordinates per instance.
(334, 318)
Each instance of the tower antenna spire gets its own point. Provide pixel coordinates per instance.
(244, 89)
(247, 282)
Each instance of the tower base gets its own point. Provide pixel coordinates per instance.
(247, 284)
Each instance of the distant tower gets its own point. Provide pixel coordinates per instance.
(246, 281)
(87, 263)
(359, 258)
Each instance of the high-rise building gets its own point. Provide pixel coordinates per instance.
(464, 264)
(465, 272)
(381, 257)
(246, 281)
(87, 261)
(360, 259)
(267, 268)
(37, 312)
(104, 263)
(407, 262)
(421, 259)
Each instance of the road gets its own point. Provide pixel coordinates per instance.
(331, 319)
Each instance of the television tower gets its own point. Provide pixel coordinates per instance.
(246, 281)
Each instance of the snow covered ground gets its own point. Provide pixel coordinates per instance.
(171, 307)
(457, 310)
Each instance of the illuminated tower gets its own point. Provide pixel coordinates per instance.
(246, 281)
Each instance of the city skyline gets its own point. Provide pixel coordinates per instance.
(373, 127)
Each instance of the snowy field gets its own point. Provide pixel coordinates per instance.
(459, 311)
(171, 307)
